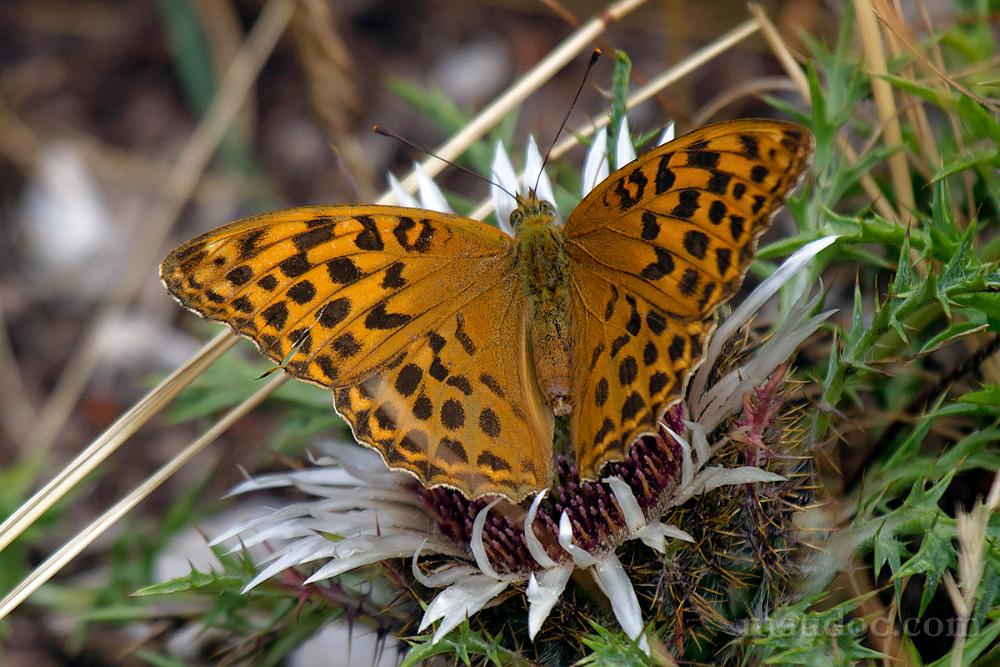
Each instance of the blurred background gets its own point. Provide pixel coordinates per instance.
(99, 101)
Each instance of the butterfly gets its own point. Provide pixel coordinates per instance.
(451, 347)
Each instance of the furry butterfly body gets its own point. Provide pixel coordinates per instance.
(451, 346)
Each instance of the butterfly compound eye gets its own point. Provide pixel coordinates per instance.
(516, 216)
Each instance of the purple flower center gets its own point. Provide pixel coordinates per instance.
(651, 468)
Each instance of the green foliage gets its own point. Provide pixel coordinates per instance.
(612, 647)
(463, 644)
(800, 634)
(619, 101)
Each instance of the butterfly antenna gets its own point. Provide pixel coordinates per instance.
(590, 65)
(378, 129)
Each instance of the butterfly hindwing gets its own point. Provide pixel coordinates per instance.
(462, 408)
(638, 360)
(675, 232)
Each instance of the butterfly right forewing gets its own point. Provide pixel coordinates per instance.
(656, 248)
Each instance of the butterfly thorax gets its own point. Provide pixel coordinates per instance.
(541, 263)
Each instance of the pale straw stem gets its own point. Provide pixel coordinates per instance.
(665, 79)
(183, 180)
(885, 104)
(111, 439)
(794, 72)
(522, 88)
(68, 551)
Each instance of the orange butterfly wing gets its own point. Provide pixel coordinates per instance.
(411, 316)
(656, 248)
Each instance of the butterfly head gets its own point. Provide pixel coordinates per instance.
(532, 211)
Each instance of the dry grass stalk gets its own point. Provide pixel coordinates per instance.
(111, 439)
(971, 529)
(69, 550)
(885, 104)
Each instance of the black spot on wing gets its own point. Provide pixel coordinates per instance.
(696, 243)
(295, 266)
(664, 176)
(240, 275)
(489, 423)
(663, 265)
(408, 379)
(452, 414)
(393, 278)
(492, 461)
(343, 270)
(688, 204)
(369, 237)
(334, 312)
(650, 227)
(703, 159)
(302, 292)
(718, 182)
(346, 345)
(312, 238)
(689, 282)
(717, 212)
(379, 318)
(276, 315)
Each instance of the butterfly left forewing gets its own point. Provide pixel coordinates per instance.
(334, 292)
(675, 230)
(413, 318)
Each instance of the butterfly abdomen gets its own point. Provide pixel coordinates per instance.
(542, 268)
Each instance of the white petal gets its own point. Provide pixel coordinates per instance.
(281, 479)
(751, 304)
(444, 577)
(624, 150)
(303, 551)
(634, 518)
(431, 196)
(403, 197)
(533, 173)
(459, 601)
(610, 576)
(503, 173)
(701, 446)
(654, 534)
(713, 477)
(534, 545)
(543, 593)
(580, 556)
(365, 552)
(668, 134)
(725, 397)
(687, 467)
(595, 165)
(478, 548)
